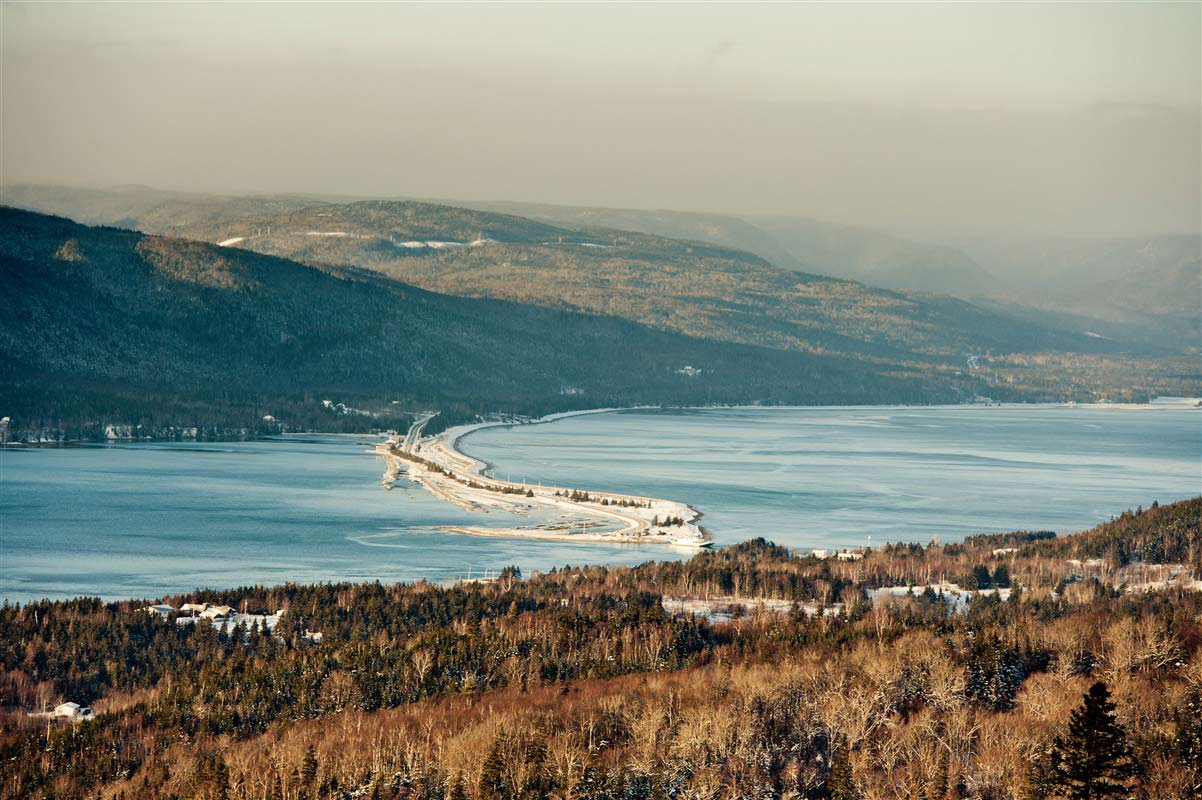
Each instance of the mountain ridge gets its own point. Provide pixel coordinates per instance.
(1002, 273)
(97, 318)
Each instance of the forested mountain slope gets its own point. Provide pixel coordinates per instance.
(688, 287)
(799, 244)
(723, 230)
(98, 320)
(1139, 289)
(1145, 289)
(701, 290)
(586, 263)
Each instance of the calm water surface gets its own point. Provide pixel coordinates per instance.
(148, 519)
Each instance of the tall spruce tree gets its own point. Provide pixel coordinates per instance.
(308, 774)
(840, 784)
(1093, 760)
(1188, 737)
(492, 774)
(457, 789)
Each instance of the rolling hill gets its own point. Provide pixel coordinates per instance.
(803, 245)
(687, 287)
(720, 229)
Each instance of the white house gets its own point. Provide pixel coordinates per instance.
(217, 612)
(164, 611)
(73, 711)
(193, 608)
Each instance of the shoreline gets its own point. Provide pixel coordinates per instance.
(1184, 404)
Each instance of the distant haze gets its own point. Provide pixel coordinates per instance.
(1019, 119)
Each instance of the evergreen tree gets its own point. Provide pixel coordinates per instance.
(457, 789)
(1094, 759)
(309, 767)
(939, 781)
(1188, 736)
(492, 774)
(840, 785)
(221, 778)
(1038, 778)
(536, 758)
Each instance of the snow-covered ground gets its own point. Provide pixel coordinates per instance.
(725, 609)
(438, 244)
(265, 622)
(955, 596)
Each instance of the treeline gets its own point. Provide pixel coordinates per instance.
(1157, 535)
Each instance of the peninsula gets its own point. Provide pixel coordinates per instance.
(579, 515)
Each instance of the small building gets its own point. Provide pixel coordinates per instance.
(162, 609)
(217, 612)
(193, 608)
(73, 711)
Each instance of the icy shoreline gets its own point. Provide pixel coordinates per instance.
(437, 463)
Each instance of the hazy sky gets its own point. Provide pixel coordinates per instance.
(1062, 118)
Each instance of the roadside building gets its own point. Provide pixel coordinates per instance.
(73, 711)
(162, 609)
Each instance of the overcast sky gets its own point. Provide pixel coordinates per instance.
(1019, 118)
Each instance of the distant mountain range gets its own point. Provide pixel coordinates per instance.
(688, 287)
(330, 297)
(1143, 289)
(103, 324)
(1150, 285)
(802, 245)
(1154, 283)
